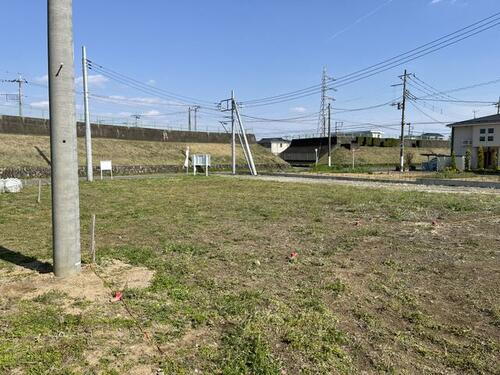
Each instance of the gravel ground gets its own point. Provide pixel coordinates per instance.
(370, 184)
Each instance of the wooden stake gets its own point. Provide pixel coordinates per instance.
(39, 191)
(92, 239)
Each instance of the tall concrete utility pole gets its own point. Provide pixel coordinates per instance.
(189, 118)
(195, 110)
(20, 94)
(329, 136)
(498, 106)
(88, 131)
(403, 109)
(233, 136)
(65, 194)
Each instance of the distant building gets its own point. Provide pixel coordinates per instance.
(363, 133)
(479, 132)
(275, 145)
(432, 136)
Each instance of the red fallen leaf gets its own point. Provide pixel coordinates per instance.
(117, 296)
(434, 222)
(294, 255)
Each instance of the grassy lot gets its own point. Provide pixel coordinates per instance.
(27, 150)
(384, 281)
(378, 156)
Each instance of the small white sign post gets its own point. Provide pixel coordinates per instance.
(106, 165)
(202, 161)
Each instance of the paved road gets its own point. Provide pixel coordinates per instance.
(373, 184)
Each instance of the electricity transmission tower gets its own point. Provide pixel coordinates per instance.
(323, 111)
(20, 80)
(497, 104)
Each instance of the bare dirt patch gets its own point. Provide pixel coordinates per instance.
(23, 283)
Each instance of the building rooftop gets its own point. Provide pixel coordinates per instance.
(493, 119)
(432, 135)
(272, 140)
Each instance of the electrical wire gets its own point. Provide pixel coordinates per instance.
(388, 64)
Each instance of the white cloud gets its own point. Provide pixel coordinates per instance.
(433, 2)
(298, 109)
(151, 82)
(42, 79)
(44, 104)
(147, 101)
(97, 80)
(152, 112)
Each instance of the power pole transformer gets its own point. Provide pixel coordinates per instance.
(63, 143)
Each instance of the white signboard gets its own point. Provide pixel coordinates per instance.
(106, 165)
(202, 160)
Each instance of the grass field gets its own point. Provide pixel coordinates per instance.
(379, 155)
(27, 150)
(384, 281)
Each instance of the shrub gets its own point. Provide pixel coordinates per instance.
(480, 158)
(494, 160)
(409, 156)
(468, 157)
(453, 162)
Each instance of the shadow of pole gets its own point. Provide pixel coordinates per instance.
(22, 260)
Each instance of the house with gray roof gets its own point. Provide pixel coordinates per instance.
(475, 133)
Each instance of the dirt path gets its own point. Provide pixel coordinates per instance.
(376, 185)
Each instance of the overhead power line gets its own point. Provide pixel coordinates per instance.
(401, 59)
(122, 78)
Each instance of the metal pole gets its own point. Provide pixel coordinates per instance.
(329, 137)
(253, 170)
(402, 147)
(20, 94)
(88, 132)
(65, 194)
(195, 118)
(233, 138)
(189, 118)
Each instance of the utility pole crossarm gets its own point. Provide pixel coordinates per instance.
(20, 80)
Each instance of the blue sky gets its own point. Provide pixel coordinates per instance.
(203, 49)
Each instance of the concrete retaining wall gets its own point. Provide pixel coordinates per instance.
(127, 170)
(36, 126)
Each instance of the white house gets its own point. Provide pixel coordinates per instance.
(432, 136)
(364, 133)
(275, 145)
(472, 134)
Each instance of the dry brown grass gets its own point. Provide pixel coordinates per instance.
(25, 150)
